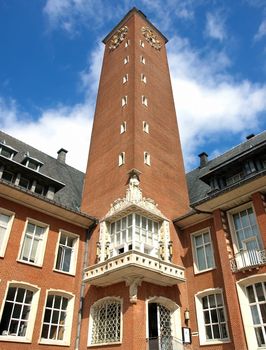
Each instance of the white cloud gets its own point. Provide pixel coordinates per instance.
(215, 26)
(62, 126)
(209, 102)
(261, 31)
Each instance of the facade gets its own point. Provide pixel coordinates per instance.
(133, 254)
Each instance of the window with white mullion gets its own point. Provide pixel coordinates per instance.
(33, 239)
(203, 251)
(66, 250)
(134, 232)
(54, 317)
(257, 302)
(246, 230)
(214, 317)
(4, 223)
(16, 311)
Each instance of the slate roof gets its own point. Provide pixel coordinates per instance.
(198, 189)
(68, 196)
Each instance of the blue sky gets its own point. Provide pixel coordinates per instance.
(51, 54)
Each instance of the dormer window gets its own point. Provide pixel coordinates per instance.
(7, 151)
(32, 163)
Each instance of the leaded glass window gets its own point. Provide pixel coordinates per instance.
(106, 322)
(257, 301)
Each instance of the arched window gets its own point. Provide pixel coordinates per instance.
(211, 316)
(20, 306)
(106, 321)
(57, 318)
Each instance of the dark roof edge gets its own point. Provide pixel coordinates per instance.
(128, 15)
(227, 189)
(188, 214)
(50, 201)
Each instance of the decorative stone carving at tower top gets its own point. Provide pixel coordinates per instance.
(134, 197)
(151, 37)
(118, 37)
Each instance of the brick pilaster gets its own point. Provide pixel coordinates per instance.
(230, 293)
(259, 203)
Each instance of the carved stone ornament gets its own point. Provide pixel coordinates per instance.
(134, 197)
(151, 37)
(118, 37)
(133, 283)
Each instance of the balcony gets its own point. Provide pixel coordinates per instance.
(248, 259)
(134, 264)
(164, 343)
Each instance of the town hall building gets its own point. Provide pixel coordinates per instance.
(134, 254)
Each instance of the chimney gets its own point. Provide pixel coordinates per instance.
(250, 136)
(61, 155)
(203, 159)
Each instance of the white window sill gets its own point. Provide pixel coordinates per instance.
(54, 342)
(65, 272)
(215, 342)
(197, 272)
(14, 339)
(104, 344)
(29, 263)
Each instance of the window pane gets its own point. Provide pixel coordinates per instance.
(251, 295)
(259, 291)
(201, 258)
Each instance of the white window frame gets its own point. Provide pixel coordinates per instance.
(68, 319)
(200, 317)
(74, 254)
(144, 100)
(142, 59)
(146, 127)
(123, 127)
(143, 235)
(143, 78)
(147, 158)
(141, 43)
(236, 247)
(245, 308)
(7, 231)
(121, 158)
(195, 256)
(127, 43)
(126, 60)
(125, 79)
(98, 303)
(41, 252)
(32, 314)
(124, 101)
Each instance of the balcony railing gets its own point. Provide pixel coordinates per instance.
(134, 263)
(164, 343)
(248, 259)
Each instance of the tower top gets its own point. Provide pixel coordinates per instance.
(126, 17)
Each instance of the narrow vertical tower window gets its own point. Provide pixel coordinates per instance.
(147, 158)
(126, 60)
(125, 78)
(121, 158)
(144, 100)
(142, 60)
(143, 78)
(124, 101)
(123, 127)
(146, 127)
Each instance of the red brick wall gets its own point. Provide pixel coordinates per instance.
(44, 277)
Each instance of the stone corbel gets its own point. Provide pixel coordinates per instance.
(133, 283)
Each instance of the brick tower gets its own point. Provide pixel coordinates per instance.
(135, 184)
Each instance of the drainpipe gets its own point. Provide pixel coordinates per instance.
(82, 287)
